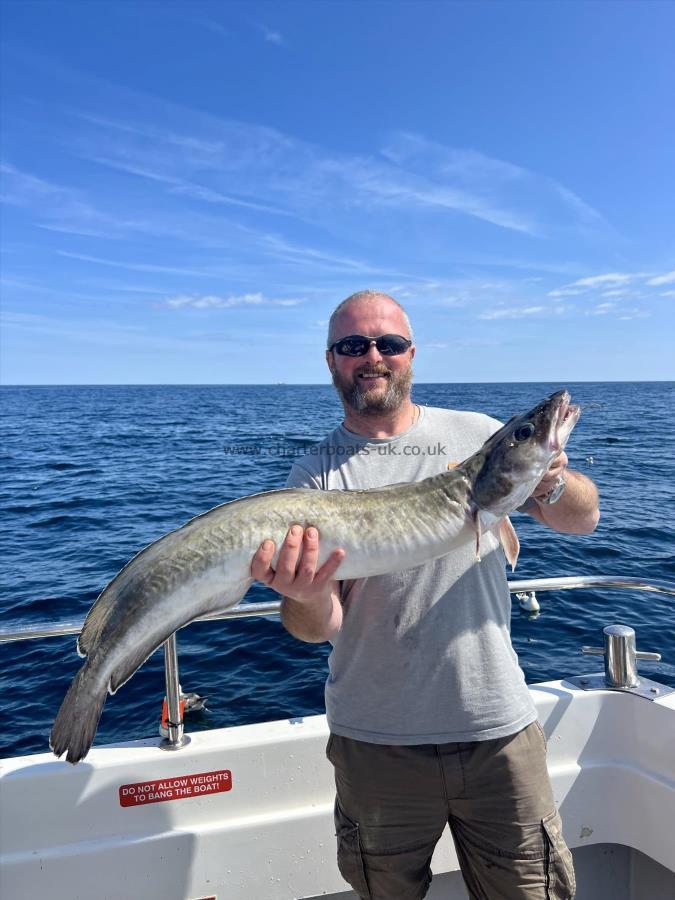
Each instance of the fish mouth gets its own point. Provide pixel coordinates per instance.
(562, 422)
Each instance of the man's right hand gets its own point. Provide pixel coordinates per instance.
(296, 575)
(311, 608)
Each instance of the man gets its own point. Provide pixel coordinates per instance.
(430, 718)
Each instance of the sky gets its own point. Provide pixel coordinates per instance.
(189, 189)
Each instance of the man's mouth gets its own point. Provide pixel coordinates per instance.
(372, 376)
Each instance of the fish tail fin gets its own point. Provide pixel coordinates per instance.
(77, 719)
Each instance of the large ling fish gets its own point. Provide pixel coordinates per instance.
(205, 566)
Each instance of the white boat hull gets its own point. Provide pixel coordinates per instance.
(64, 833)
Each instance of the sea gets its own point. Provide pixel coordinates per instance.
(92, 474)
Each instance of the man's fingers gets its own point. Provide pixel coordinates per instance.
(559, 464)
(329, 568)
(261, 564)
(289, 555)
(297, 562)
(310, 555)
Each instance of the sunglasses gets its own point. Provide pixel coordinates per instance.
(359, 345)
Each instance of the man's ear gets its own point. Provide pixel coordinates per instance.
(412, 352)
(330, 362)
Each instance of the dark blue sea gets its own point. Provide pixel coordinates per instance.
(90, 475)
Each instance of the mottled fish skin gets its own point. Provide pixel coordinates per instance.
(204, 566)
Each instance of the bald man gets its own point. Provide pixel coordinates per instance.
(430, 719)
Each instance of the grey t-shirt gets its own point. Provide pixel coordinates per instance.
(424, 655)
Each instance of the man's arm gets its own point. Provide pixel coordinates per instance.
(310, 608)
(577, 510)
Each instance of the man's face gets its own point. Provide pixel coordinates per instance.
(372, 384)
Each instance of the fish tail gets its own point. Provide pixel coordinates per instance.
(77, 719)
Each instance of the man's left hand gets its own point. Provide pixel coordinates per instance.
(550, 479)
(577, 510)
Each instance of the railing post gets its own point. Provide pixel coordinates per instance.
(177, 738)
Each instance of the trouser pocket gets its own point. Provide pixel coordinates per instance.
(350, 854)
(560, 868)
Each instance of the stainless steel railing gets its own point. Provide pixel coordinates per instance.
(176, 737)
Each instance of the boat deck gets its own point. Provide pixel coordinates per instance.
(246, 813)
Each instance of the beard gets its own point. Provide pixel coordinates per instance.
(363, 399)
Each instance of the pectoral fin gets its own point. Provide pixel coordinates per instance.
(475, 518)
(509, 541)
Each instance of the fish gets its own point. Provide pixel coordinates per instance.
(204, 567)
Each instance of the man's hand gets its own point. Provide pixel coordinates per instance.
(577, 510)
(553, 473)
(296, 575)
(311, 608)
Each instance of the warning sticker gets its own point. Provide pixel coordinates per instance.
(178, 788)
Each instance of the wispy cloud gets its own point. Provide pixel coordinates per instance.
(102, 332)
(210, 301)
(634, 314)
(502, 192)
(211, 25)
(514, 312)
(667, 278)
(271, 36)
(59, 207)
(583, 285)
(224, 161)
(67, 210)
(142, 267)
(602, 309)
(624, 286)
(187, 188)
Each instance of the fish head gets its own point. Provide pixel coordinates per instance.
(514, 460)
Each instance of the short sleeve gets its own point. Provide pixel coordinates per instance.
(299, 477)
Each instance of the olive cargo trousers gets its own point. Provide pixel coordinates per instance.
(393, 803)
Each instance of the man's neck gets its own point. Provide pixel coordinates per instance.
(382, 426)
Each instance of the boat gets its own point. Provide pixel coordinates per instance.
(246, 813)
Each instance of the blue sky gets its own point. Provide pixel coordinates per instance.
(190, 188)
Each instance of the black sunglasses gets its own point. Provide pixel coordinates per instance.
(359, 345)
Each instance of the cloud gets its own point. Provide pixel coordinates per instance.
(599, 280)
(226, 161)
(527, 201)
(514, 312)
(60, 208)
(187, 188)
(667, 278)
(634, 314)
(272, 37)
(66, 210)
(613, 284)
(594, 281)
(211, 25)
(601, 309)
(211, 301)
(667, 294)
(141, 267)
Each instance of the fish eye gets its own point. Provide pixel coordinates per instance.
(524, 432)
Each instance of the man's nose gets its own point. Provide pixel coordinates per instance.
(373, 354)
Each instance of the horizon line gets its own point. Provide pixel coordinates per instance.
(323, 384)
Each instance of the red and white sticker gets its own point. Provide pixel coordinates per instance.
(179, 788)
